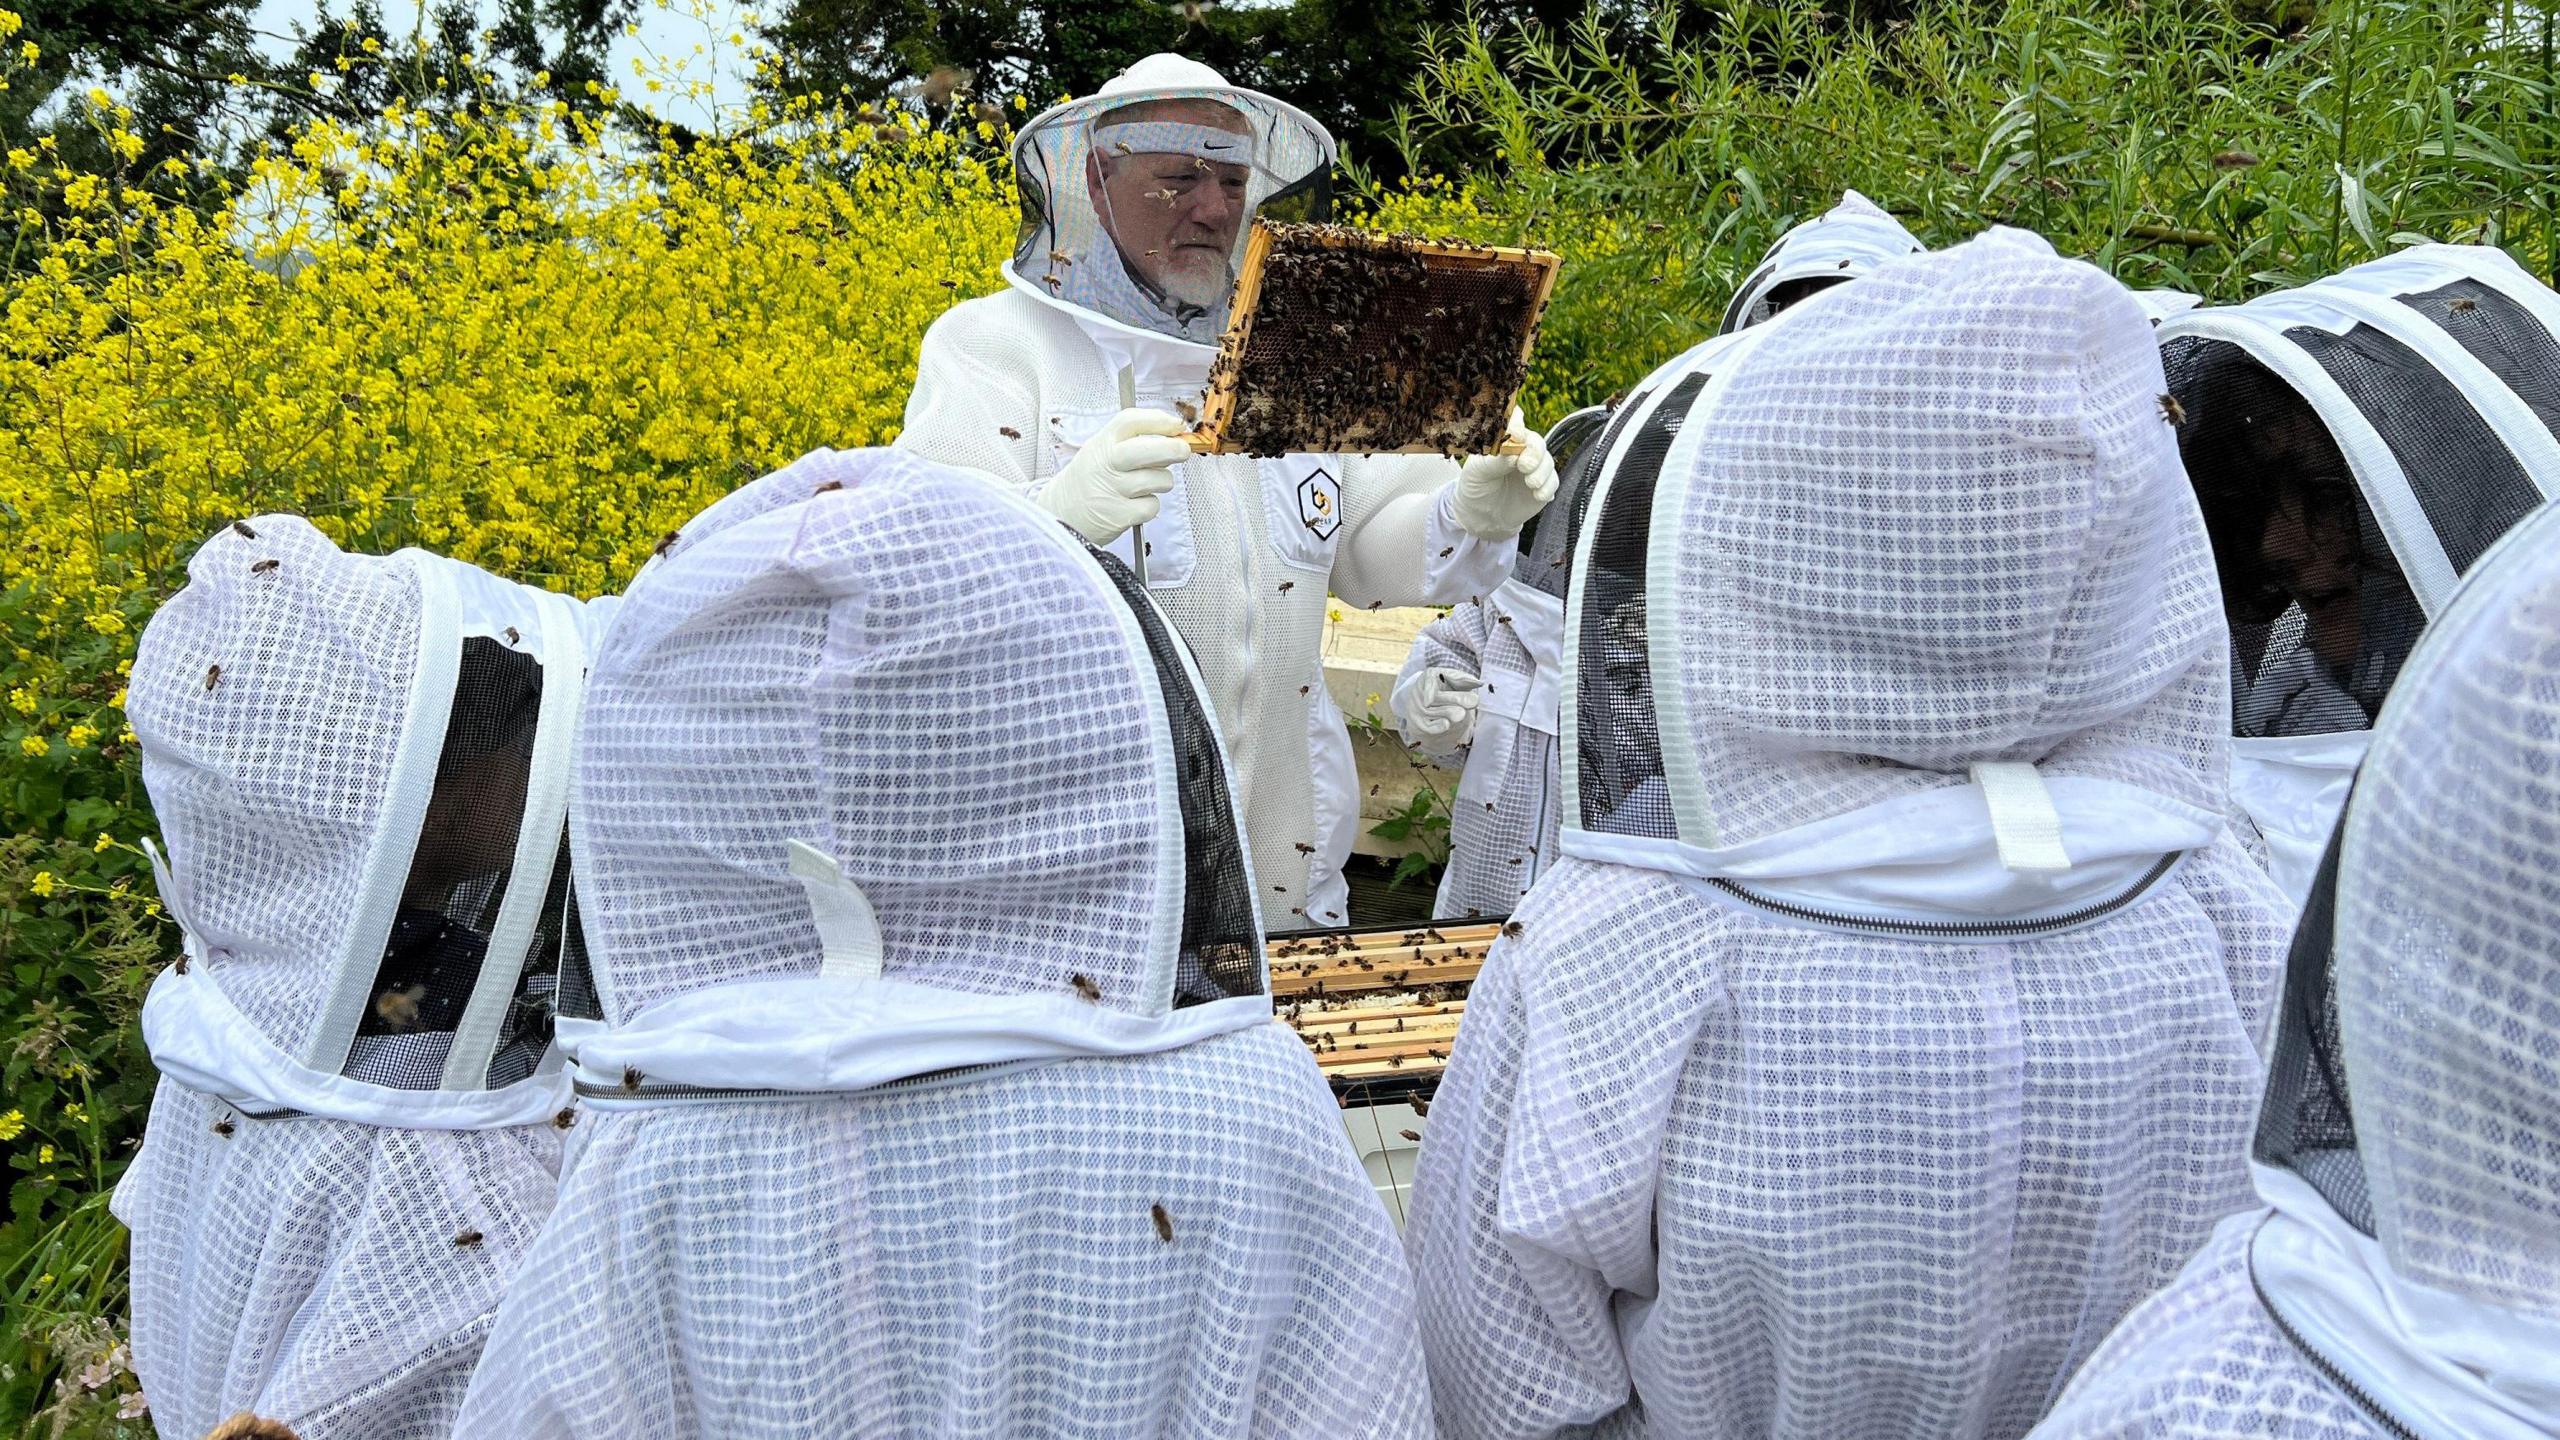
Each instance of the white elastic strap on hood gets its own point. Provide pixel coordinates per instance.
(849, 943)
(2025, 827)
(2444, 1366)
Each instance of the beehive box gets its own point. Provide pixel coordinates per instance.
(1345, 341)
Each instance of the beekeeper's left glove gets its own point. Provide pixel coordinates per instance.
(1498, 493)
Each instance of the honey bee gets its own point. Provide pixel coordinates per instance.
(1421, 1107)
(631, 1078)
(1283, 889)
(666, 542)
(2173, 412)
(830, 485)
(1086, 990)
(1188, 411)
(468, 1240)
(1303, 689)
(1008, 432)
(1060, 257)
(182, 962)
(1164, 1222)
(1413, 1135)
(1288, 585)
(263, 566)
(398, 1009)
(1155, 252)
(1123, 147)
(212, 676)
(1377, 604)
(1445, 554)
(243, 527)
(514, 636)
(2461, 304)
(567, 1117)
(1373, 789)
(1168, 196)
(1056, 285)
(1511, 929)
(223, 1127)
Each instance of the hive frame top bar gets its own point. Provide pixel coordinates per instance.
(1217, 407)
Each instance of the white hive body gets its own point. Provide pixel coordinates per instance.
(1892, 1024)
(359, 768)
(933, 1079)
(1853, 238)
(2403, 1278)
(2355, 444)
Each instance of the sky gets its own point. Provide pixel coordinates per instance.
(668, 37)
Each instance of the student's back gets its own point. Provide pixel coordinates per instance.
(933, 1086)
(1809, 1098)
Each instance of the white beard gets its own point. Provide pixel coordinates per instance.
(1202, 286)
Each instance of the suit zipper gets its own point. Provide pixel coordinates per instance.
(2363, 1399)
(1956, 929)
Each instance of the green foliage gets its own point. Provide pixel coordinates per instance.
(1423, 822)
(2185, 145)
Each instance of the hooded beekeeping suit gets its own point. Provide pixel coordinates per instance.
(937, 1090)
(1480, 686)
(2355, 444)
(1853, 238)
(2403, 1276)
(1891, 1026)
(1137, 202)
(360, 769)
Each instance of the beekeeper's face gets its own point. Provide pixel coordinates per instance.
(1175, 216)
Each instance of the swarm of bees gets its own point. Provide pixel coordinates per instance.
(1361, 343)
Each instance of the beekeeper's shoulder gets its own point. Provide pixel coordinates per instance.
(1005, 328)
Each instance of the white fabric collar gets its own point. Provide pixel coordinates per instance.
(816, 1035)
(1537, 622)
(1931, 858)
(199, 1039)
(2446, 1366)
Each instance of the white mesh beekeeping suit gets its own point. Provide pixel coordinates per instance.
(1509, 804)
(1036, 386)
(2355, 444)
(935, 1088)
(1892, 1024)
(1851, 239)
(359, 766)
(2403, 1278)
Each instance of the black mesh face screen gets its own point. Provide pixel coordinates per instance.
(1222, 953)
(2321, 616)
(2501, 335)
(458, 873)
(1546, 544)
(1618, 750)
(1742, 310)
(2466, 480)
(2306, 1125)
(1037, 234)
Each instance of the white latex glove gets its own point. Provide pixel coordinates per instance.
(1498, 493)
(1438, 713)
(1114, 480)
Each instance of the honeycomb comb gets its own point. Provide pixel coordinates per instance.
(1344, 341)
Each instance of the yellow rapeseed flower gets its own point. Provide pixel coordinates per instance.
(43, 885)
(35, 747)
(13, 1125)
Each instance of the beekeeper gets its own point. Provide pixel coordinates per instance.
(935, 1089)
(1851, 239)
(1892, 1023)
(2402, 1275)
(1070, 384)
(358, 764)
(1480, 689)
(2355, 444)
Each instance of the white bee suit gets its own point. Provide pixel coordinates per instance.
(1891, 1026)
(2402, 1279)
(1244, 551)
(934, 1088)
(359, 765)
(2355, 444)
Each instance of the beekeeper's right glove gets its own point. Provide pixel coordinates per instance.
(1113, 482)
(1436, 709)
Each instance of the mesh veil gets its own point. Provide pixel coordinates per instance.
(1546, 542)
(865, 653)
(1852, 239)
(2447, 969)
(1173, 124)
(2307, 1124)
